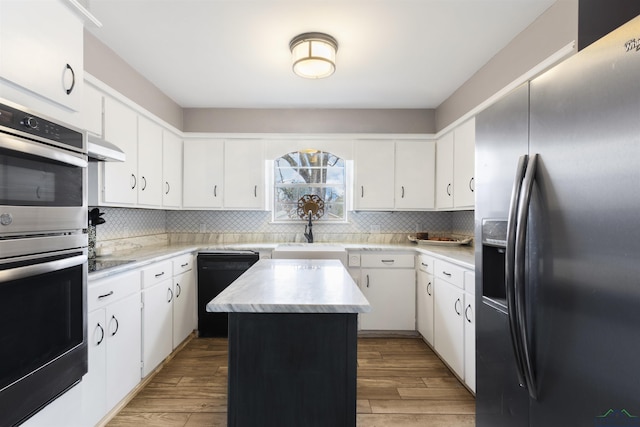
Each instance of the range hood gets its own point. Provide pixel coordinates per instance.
(104, 151)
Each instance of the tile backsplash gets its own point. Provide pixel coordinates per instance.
(127, 223)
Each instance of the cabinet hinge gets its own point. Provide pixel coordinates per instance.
(141, 364)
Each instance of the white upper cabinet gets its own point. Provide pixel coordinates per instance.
(42, 50)
(394, 175)
(92, 109)
(149, 163)
(374, 174)
(203, 174)
(121, 178)
(455, 157)
(444, 172)
(414, 181)
(244, 174)
(464, 164)
(171, 170)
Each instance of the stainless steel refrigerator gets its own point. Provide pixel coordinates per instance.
(558, 244)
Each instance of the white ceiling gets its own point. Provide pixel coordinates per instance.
(235, 53)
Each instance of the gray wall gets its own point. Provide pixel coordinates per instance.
(103, 63)
(229, 120)
(554, 29)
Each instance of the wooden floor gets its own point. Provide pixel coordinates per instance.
(401, 382)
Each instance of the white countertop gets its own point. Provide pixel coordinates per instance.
(460, 255)
(292, 286)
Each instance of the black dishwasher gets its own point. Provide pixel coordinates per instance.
(216, 271)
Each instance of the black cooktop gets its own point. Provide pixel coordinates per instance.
(103, 264)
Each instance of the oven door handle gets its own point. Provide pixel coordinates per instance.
(41, 150)
(44, 268)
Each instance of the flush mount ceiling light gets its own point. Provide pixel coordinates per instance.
(314, 55)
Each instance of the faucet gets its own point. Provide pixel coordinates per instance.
(309, 235)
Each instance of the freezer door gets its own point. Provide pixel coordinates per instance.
(584, 250)
(502, 134)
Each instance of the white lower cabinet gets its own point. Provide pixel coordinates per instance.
(388, 282)
(169, 312)
(185, 314)
(469, 331)
(449, 326)
(425, 298)
(454, 319)
(157, 315)
(114, 344)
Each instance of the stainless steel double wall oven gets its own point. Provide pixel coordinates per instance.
(43, 261)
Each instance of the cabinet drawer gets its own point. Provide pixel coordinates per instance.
(426, 263)
(156, 273)
(449, 272)
(105, 291)
(387, 260)
(182, 264)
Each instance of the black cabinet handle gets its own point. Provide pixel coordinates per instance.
(472, 186)
(255, 191)
(215, 191)
(402, 192)
(144, 183)
(160, 274)
(105, 295)
(449, 189)
(179, 290)
(362, 191)
(170, 293)
(101, 334)
(367, 280)
(466, 314)
(428, 286)
(455, 306)
(135, 181)
(73, 79)
(168, 187)
(117, 325)
(446, 274)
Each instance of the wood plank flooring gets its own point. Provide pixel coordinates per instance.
(401, 382)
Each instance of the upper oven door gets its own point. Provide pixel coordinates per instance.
(42, 188)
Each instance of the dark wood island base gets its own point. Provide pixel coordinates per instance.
(292, 369)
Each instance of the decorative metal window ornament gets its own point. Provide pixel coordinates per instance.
(310, 206)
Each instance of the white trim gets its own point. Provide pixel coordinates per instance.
(83, 12)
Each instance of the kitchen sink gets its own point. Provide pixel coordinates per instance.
(310, 251)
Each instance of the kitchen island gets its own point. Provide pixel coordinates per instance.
(292, 344)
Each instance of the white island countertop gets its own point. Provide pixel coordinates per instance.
(292, 286)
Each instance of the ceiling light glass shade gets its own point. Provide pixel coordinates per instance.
(314, 55)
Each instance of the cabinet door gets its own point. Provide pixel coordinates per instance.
(92, 107)
(415, 175)
(203, 163)
(424, 315)
(121, 178)
(149, 163)
(391, 293)
(374, 174)
(184, 306)
(464, 164)
(94, 383)
(171, 170)
(42, 50)
(469, 341)
(244, 174)
(449, 325)
(444, 172)
(157, 325)
(123, 347)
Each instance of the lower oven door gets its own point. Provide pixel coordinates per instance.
(42, 330)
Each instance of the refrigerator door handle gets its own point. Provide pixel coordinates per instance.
(510, 268)
(520, 282)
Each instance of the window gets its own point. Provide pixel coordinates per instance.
(309, 172)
